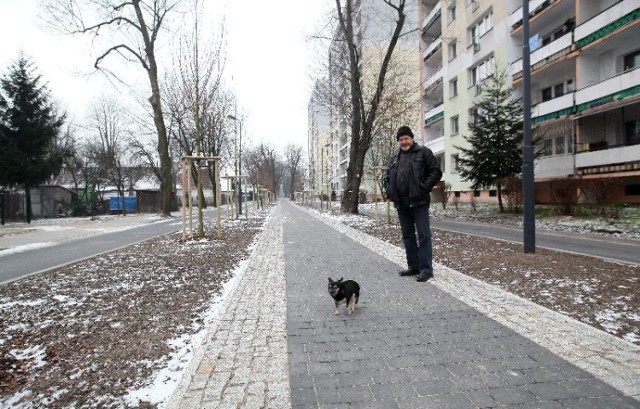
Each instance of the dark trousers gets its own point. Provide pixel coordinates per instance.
(419, 252)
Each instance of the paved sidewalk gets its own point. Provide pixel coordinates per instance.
(243, 360)
(449, 343)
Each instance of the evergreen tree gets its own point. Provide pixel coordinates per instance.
(29, 129)
(495, 150)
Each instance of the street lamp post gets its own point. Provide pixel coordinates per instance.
(239, 163)
(528, 177)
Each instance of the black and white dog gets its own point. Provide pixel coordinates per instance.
(346, 292)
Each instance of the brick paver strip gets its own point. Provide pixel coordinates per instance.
(243, 360)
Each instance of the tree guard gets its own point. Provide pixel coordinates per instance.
(186, 192)
(376, 177)
(232, 201)
(230, 198)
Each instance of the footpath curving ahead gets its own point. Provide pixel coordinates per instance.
(452, 342)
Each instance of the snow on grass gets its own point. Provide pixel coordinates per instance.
(35, 355)
(26, 247)
(165, 381)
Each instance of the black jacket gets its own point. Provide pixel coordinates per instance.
(426, 173)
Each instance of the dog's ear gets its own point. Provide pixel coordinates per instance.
(330, 280)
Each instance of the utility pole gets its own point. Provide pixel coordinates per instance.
(528, 183)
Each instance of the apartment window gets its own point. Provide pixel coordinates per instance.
(547, 147)
(632, 132)
(493, 193)
(632, 190)
(476, 193)
(553, 36)
(556, 145)
(455, 125)
(484, 25)
(631, 60)
(451, 14)
(560, 147)
(456, 193)
(474, 35)
(556, 90)
(473, 3)
(453, 87)
(455, 163)
(557, 138)
(482, 70)
(453, 50)
(474, 114)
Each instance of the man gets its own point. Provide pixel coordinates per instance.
(412, 173)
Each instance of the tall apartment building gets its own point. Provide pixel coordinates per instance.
(373, 21)
(319, 171)
(585, 84)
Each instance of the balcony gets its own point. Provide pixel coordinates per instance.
(613, 89)
(515, 20)
(434, 115)
(433, 81)
(432, 49)
(436, 145)
(608, 158)
(431, 24)
(544, 55)
(553, 109)
(608, 21)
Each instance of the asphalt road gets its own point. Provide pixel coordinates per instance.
(18, 265)
(626, 251)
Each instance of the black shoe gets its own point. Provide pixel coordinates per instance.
(424, 277)
(409, 272)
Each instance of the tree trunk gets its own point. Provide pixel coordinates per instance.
(362, 121)
(166, 171)
(351, 195)
(27, 198)
(166, 181)
(499, 188)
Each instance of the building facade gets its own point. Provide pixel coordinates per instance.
(585, 86)
(320, 171)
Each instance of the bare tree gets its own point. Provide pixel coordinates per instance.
(191, 94)
(75, 166)
(293, 163)
(107, 148)
(217, 132)
(397, 108)
(132, 29)
(89, 174)
(364, 106)
(265, 168)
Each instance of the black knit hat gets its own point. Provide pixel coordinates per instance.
(404, 130)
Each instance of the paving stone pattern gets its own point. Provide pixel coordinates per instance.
(603, 355)
(243, 360)
(409, 344)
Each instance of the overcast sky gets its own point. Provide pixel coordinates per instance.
(268, 58)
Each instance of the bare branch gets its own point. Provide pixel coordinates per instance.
(116, 48)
